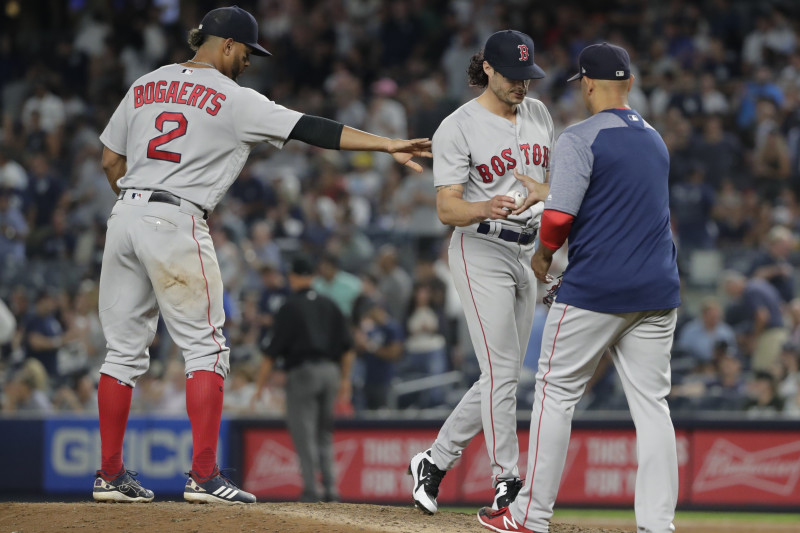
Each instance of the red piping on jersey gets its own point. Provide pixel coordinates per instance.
(488, 355)
(541, 412)
(208, 296)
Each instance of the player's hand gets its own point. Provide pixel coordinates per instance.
(537, 192)
(499, 207)
(540, 263)
(403, 150)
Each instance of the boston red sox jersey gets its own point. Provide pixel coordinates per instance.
(189, 131)
(480, 149)
(617, 264)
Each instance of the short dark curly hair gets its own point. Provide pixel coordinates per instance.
(475, 74)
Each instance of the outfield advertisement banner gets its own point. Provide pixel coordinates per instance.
(715, 467)
(746, 467)
(159, 449)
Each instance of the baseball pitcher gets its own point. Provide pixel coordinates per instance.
(489, 151)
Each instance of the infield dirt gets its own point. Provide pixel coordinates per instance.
(180, 517)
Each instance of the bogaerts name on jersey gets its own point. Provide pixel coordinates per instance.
(185, 93)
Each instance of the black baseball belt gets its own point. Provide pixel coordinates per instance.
(165, 198)
(509, 235)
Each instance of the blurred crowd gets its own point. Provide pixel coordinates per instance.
(719, 79)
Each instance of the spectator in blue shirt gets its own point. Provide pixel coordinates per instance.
(13, 231)
(760, 87)
(44, 334)
(379, 344)
(699, 336)
(755, 312)
(691, 205)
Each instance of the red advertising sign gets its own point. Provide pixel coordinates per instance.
(714, 467)
(601, 467)
(371, 464)
(746, 467)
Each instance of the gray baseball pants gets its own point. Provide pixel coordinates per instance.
(160, 258)
(573, 342)
(498, 292)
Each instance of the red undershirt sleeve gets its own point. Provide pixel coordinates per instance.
(554, 228)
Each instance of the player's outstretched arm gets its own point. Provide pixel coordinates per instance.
(326, 133)
(401, 149)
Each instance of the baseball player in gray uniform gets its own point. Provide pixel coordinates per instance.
(173, 147)
(609, 194)
(491, 148)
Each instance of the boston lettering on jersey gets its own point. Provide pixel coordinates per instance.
(536, 155)
(178, 93)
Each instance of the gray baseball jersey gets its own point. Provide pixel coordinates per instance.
(189, 131)
(186, 134)
(492, 275)
(480, 149)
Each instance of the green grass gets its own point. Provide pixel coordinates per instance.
(619, 514)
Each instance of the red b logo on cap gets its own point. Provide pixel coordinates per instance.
(523, 52)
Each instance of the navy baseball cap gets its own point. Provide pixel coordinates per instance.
(603, 62)
(510, 53)
(234, 23)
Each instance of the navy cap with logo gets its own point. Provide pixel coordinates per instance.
(603, 62)
(234, 23)
(510, 53)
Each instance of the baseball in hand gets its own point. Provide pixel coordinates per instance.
(518, 198)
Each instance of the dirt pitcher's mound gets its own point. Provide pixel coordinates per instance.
(180, 517)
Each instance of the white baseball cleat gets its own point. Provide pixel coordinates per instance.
(216, 488)
(505, 493)
(427, 477)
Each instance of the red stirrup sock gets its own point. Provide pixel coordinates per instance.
(204, 393)
(114, 404)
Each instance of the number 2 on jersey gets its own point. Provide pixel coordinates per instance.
(152, 147)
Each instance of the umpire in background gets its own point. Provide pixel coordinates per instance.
(312, 337)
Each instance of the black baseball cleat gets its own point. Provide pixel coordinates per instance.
(216, 488)
(427, 478)
(124, 488)
(506, 492)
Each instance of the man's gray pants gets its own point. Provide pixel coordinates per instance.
(311, 391)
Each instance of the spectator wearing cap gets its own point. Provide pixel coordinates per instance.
(755, 313)
(312, 340)
(773, 265)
